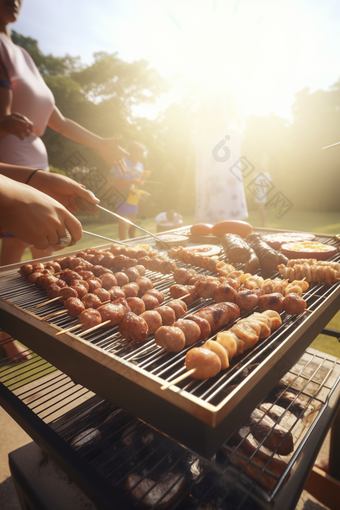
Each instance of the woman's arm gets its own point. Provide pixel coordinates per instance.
(108, 148)
(34, 217)
(61, 188)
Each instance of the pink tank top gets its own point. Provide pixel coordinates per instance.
(31, 97)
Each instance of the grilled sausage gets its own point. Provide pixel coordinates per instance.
(116, 292)
(273, 301)
(224, 293)
(81, 286)
(99, 270)
(268, 257)
(253, 263)
(247, 299)
(206, 289)
(235, 248)
(67, 292)
(219, 315)
(182, 275)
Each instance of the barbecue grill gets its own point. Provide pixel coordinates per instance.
(130, 376)
(199, 417)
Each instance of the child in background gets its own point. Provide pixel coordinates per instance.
(128, 184)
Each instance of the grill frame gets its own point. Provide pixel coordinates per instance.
(138, 392)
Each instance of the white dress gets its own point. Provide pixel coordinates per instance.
(219, 187)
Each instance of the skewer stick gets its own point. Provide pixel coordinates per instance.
(53, 315)
(48, 302)
(67, 330)
(309, 311)
(178, 379)
(102, 324)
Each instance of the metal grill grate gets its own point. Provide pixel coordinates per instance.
(149, 356)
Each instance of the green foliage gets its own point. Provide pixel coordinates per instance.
(103, 98)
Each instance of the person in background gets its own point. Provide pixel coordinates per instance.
(127, 184)
(168, 220)
(27, 107)
(37, 207)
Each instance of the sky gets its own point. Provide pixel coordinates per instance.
(263, 51)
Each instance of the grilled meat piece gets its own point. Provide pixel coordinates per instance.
(155, 293)
(177, 291)
(275, 437)
(167, 314)
(219, 315)
(203, 325)
(172, 339)
(191, 330)
(136, 305)
(235, 248)
(132, 273)
(294, 304)
(89, 318)
(108, 280)
(144, 284)
(74, 306)
(273, 301)
(153, 320)
(122, 278)
(268, 257)
(157, 495)
(179, 307)
(131, 289)
(206, 362)
(91, 301)
(133, 327)
(224, 293)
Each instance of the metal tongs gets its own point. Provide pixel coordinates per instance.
(86, 206)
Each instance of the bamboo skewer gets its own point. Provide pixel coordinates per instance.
(178, 379)
(102, 324)
(48, 302)
(68, 330)
(53, 315)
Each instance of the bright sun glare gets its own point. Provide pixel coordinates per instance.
(251, 50)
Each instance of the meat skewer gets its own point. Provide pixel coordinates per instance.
(207, 361)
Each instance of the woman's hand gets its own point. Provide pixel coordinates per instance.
(62, 188)
(16, 124)
(112, 153)
(34, 217)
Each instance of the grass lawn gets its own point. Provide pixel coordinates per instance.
(320, 222)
